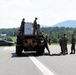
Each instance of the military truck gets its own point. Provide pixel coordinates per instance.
(29, 40)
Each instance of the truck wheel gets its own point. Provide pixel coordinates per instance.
(40, 50)
(18, 50)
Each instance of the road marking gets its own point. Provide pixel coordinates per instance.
(41, 67)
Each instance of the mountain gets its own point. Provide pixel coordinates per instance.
(67, 23)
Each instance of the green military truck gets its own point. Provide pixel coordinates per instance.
(29, 41)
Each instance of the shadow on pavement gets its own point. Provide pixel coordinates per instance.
(46, 54)
(26, 54)
(59, 54)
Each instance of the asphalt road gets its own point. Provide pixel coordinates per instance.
(31, 64)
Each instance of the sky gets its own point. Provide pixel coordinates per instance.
(49, 12)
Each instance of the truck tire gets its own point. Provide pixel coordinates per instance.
(40, 50)
(18, 50)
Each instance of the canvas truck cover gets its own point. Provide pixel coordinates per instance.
(28, 29)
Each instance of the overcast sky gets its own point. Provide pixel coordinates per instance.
(49, 12)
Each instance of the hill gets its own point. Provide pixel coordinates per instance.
(67, 23)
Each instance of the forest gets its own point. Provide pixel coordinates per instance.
(53, 32)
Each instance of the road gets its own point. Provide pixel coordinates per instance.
(31, 64)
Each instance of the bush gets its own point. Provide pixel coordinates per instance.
(9, 39)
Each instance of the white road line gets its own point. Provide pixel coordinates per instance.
(41, 67)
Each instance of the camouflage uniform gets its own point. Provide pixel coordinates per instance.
(73, 44)
(45, 44)
(61, 45)
(22, 26)
(65, 40)
(38, 29)
(35, 25)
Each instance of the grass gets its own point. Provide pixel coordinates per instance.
(13, 39)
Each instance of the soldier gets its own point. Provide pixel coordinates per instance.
(38, 29)
(65, 40)
(61, 44)
(35, 25)
(72, 44)
(46, 45)
(22, 26)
